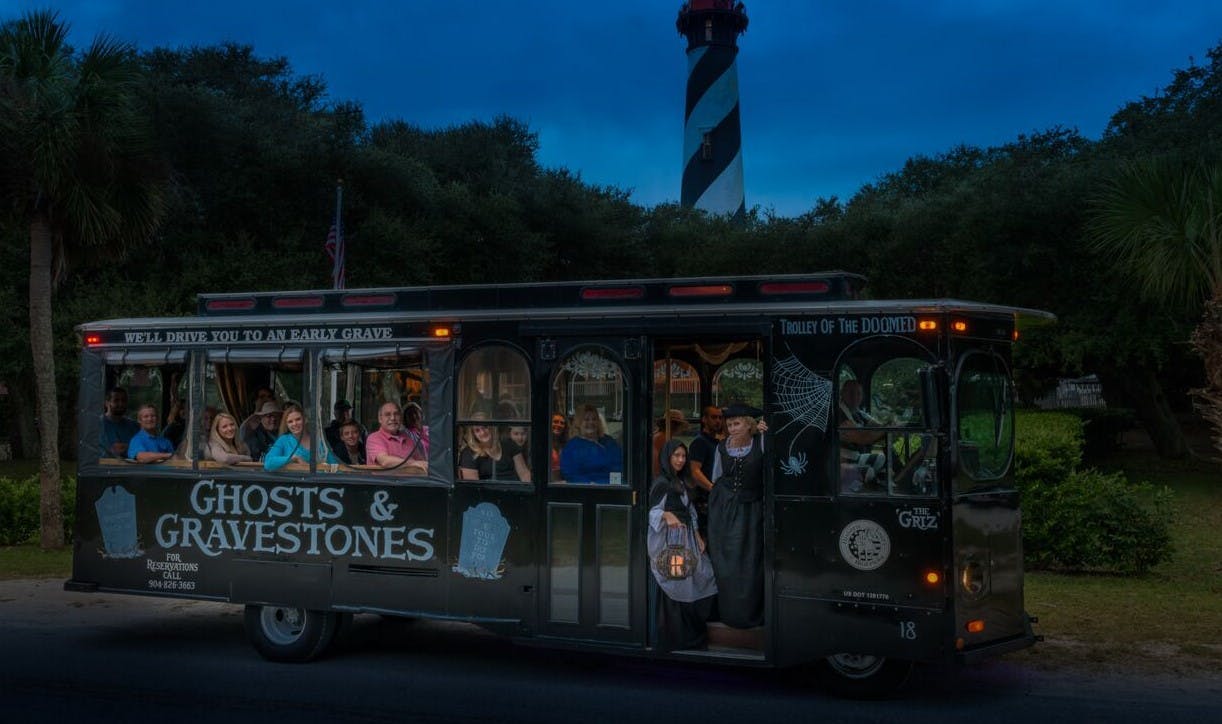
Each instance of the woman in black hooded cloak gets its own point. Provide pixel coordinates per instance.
(683, 604)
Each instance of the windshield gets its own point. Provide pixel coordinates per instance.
(985, 411)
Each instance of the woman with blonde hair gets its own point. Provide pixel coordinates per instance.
(485, 456)
(591, 455)
(293, 445)
(736, 518)
(224, 445)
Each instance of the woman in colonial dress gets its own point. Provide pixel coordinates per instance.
(736, 518)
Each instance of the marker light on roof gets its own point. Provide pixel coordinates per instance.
(793, 288)
(441, 332)
(297, 302)
(368, 300)
(225, 305)
(702, 290)
(590, 294)
(959, 325)
(927, 325)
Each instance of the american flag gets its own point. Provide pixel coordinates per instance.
(335, 252)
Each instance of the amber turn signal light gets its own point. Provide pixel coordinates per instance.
(976, 625)
(927, 325)
(932, 577)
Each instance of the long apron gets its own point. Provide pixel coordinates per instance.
(736, 538)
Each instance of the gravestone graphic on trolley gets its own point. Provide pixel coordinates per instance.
(712, 136)
(116, 509)
(484, 534)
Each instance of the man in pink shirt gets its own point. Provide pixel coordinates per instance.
(390, 446)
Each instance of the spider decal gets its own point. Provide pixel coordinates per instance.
(795, 465)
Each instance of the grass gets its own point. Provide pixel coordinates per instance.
(1168, 621)
(30, 561)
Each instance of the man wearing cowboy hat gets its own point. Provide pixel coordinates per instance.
(261, 437)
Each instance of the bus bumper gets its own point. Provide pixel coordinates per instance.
(993, 649)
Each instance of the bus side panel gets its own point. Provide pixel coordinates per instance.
(405, 572)
(119, 522)
(988, 567)
(228, 537)
(826, 605)
(492, 564)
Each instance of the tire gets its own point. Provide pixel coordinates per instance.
(293, 635)
(861, 676)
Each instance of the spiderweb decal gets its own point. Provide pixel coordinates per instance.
(805, 398)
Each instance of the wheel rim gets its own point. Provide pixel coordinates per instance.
(856, 666)
(282, 625)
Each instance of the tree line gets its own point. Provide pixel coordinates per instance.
(226, 164)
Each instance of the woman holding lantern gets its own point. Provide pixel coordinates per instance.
(686, 589)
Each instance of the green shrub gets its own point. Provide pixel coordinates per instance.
(1096, 521)
(19, 502)
(1047, 447)
(1083, 519)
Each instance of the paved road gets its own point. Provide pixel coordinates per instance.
(94, 657)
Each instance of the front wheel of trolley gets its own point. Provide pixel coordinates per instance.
(862, 676)
(297, 635)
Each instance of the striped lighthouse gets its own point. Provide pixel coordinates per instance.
(712, 140)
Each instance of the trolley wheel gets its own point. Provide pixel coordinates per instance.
(295, 635)
(862, 676)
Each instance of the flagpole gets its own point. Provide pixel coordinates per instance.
(337, 271)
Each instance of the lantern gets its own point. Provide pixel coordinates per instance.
(676, 561)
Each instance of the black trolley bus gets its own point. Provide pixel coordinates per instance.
(906, 549)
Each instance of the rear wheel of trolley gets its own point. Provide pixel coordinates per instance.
(296, 635)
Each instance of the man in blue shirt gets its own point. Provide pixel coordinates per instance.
(117, 427)
(147, 446)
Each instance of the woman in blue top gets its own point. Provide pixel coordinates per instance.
(293, 445)
(591, 456)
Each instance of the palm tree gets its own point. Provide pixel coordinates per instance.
(79, 173)
(1160, 221)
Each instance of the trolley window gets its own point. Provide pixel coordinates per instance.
(984, 401)
(589, 390)
(494, 416)
(884, 444)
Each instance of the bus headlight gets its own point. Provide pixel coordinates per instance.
(973, 579)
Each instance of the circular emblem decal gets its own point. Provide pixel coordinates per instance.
(864, 545)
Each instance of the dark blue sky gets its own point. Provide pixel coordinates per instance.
(834, 93)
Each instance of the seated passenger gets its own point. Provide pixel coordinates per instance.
(390, 446)
(343, 413)
(147, 446)
(117, 427)
(414, 427)
(858, 465)
(485, 457)
(351, 450)
(591, 456)
(176, 422)
(293, 445)
(224, 445)
(520, 435)
(262, 435)
(560, 436)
